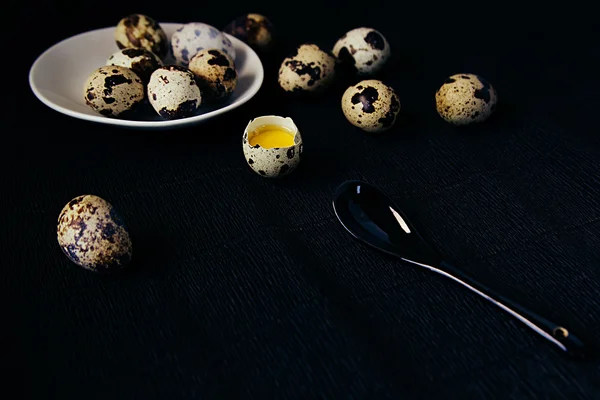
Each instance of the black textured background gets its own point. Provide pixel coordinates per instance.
(243, 287)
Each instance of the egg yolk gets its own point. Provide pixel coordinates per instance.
(270, 136)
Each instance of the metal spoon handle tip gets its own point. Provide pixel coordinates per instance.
(558, 335)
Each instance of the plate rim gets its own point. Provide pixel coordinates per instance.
(254, 88)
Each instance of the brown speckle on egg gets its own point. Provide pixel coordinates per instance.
(182, 110)
(367, 97)
(375, 40)
(284, 169)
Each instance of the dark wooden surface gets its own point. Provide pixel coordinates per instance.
(243, 287)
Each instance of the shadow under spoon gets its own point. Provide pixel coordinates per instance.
(371, 216)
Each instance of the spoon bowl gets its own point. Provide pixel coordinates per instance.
(370, 216)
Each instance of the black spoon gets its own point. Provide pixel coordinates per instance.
(371, 216)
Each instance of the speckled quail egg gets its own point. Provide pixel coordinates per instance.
(364, 49)
(215, 74)
(137, 30)
(272, 146)
(195, 36)
(310, 69)
(92, 234)
(371, 106)
(114, 91)
(141, 61)
(173, 92)
(465, 99)
(254, 29)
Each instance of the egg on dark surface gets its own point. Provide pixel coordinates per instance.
(215, 74)
(465, 99)
(254, 29)
(137, 30)
(309, 69)
(141, 61)
(272, 146)
(371, 106)
(92, 234)
(364, 49)
(114, 91)
(173, 92)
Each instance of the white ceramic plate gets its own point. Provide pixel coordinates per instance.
(58, 75)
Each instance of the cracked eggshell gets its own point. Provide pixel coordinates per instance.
(173, 92)
(275, 162)
(371, 106)
(92, 234)
(364, 49)
(113, 91)
(140, 61)
(215, 74)
(310, 69)
(137, 30)
(465, 99)
(254, 29)
(195, 36)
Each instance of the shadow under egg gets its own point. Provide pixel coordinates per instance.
(150, 256)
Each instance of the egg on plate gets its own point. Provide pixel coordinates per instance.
(215, 74)
(173, 92)
(195, 36)
(141, 61)
(138, 30)
(114, 91)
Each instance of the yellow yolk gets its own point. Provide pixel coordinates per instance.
(270, 136)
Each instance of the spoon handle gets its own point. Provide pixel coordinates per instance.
(557, 334)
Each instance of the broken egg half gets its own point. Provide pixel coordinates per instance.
(272, 146)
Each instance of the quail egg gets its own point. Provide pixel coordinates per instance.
(371, 106)
(195, 36)
(310, 69)
(114, 91)
(465, 99)
(272, 146)
(215, 74)
(365, 49)
(137, 30)
(173, 92)
(141, 61)
(92, 234)
(254, 29)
